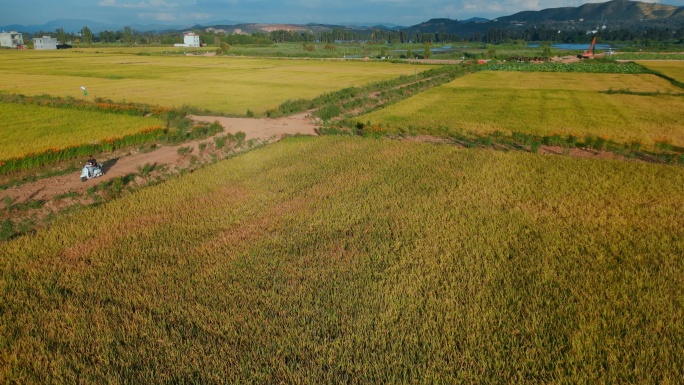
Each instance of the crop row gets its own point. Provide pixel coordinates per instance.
(225, 85)
(54, 155)
(99, 105)
(671, 70)
(28, 128)
(540, 104)
(590, 66)
(334, 104)
(648, 56)
(345, 260)
(175, 134)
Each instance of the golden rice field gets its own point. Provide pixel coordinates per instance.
(224, 84)
(673, 69)
(543, 104)
(30, 128)
(350, 260)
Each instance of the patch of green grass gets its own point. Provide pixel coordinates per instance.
(70, 194)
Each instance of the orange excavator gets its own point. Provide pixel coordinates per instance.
(589, 54)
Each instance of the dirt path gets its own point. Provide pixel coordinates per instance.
(263, 130)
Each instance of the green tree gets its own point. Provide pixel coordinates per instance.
(128, 36)
(87, 36)
(61, 36)
(427, 52)
(491, 51)
(546, 49)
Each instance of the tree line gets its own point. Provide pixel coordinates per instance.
(129, 36)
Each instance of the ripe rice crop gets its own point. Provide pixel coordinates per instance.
(567, 81)
(224, 84)
(26, 128)
(672, 69)
(544, 104)
(647, 56)
(347, 260)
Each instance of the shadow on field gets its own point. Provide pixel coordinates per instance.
(106, 166)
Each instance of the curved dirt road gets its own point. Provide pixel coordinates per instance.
(264, 130)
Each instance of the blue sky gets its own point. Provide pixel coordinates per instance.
(402, 12)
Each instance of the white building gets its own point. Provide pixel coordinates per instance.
(11, 39)
(45, 42)
(190, 40)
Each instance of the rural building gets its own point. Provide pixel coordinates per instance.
(45, 42)
(11, 39)
(190, 40)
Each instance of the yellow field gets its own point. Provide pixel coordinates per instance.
(30, 128)
(673, 69)
(347, 260)
(543, 104)
(565, 82)
(225, 84)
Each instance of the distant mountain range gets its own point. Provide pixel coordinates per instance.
(615, 13)
(615, 10)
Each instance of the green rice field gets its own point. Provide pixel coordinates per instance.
(643, 108)
(352, 260)
(29, 128)
(225, 84)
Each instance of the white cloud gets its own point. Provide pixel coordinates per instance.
(200, 16)
(162, 16)
(142, 5)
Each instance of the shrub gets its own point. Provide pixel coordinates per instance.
(663, 145)
(328, 112)
(6, 229)
(535, 145)
(220, 141)
(599, 144)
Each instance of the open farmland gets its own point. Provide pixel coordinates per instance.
(673, 69)
(30, 128)
(225, 84)
(640, 109)
(348, 260)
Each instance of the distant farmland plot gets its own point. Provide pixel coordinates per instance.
(347, 260)
(225, 84)
(673, 69)
(565, 81)
(31, 128)
(545, 103)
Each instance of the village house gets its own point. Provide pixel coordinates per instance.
(45, 42)
(11, 39)
(189, 40)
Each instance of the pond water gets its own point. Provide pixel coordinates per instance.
(443, 49)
